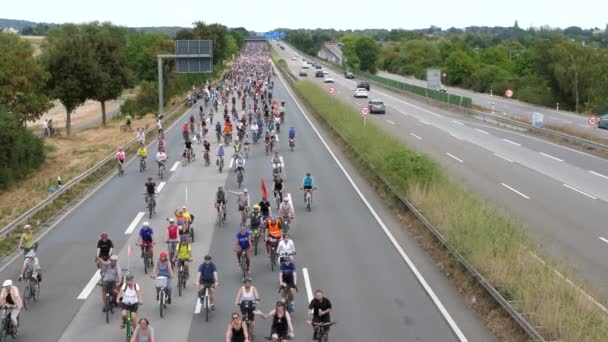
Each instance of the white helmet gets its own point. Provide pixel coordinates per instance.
(245, 190)
(285, 199)
(146, 224)
(27, 226)
(30, 254)
(7, 282)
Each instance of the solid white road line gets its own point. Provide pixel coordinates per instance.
(414, 135)
(598, 174)
(282, 163)
(231, 162)
(452, 156)
(512, 142)
(455, 136)
(444, 312)
(579, 191)
(389, 121)
(481, 131)
(160, 187)
(603, 239)
(515, 191)
(307, 284)
(424, 122)
(90, 286)
(291, 203)
(198, 306)
(550, 156)
(569, 282)
(437, 115)
(458, 122)
(134, 222)
(174, 167)
(499, 156)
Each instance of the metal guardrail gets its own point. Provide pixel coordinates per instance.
(498, 297)
(45, 202)
(527, 126)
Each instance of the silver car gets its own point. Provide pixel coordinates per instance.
(376, 106)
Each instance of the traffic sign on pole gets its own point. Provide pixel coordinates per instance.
(364, 111)
(331, 90)
(509, 93)
(593, 120)
(537, 119)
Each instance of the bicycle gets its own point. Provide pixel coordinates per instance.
(128, 324)
(121, 171)
(204, 298)
(308, 198)
(285, 221)
(206, 158)
(110, 300)
(244, 215)
(219, 136)
(220, 164)
(248, 306)
(239, 177)
(182, 277)
(161, 170)
(161, 285)
(287, 296)
(142, 164)
(278, 197)
(221, 214)
(145, 254)
(171, 247)
(267, 147)
(320, 330)
(256, 240)
(31, 290)
(243, 256)
(280, 339)
(151, 204)
(292, 144)
(273, 243)
(7, 327)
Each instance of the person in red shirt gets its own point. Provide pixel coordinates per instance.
(172, 234)
(185, 131)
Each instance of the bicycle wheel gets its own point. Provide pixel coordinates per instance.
(161, 302)
(108, 308)
(150, 207)
(180, 277)
(26, 296)
(4, 330)
(244, 265)
(206, 308)
(273, 260)
(146, 263)
(256, 239)
(239, 179)
(36, 291)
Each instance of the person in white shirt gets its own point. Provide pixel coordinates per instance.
(131, 298)
(141, 136)
(161, 157)
(286, 247)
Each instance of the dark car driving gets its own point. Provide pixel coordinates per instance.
(377, 106)
(363, 84)
(319, 73)
(349, 75)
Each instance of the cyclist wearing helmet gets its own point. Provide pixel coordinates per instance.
(104, 248)
(10, 296)
(184, 253)
(277, 163)
(277, 185)
(273, 233)
(220, 199)
(121, 156)
(110, 277)
(243, 200)
(285, 211)
(307, 184)
(207, 278)
(255, 218)
(131, 298)
(162, 268)
(243, 242)
(146, 237)
(151, 192)
(246, 299)
(31, 265)
(172, 237)
(26, 242)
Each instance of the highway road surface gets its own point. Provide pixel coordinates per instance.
(382, 286)
(505, 106)
(560, 194)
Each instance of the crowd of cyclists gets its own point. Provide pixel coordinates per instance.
(258, 118)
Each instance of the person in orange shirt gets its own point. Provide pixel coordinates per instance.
(273, 233)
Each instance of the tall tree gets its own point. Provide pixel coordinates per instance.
(368, 52)
(22, 80)
(70, 58)
(113, 74)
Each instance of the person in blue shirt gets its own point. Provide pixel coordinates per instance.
(146, 237)
(307, 184)
(292, 133)
(288, 277)
(220, 154)
(243, 243)
(207, 278)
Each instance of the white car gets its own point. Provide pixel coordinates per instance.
(328, 80)
(361, 92)
(294, 58)
(305, 66)
(325, 72)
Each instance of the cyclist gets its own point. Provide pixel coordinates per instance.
(185, 131)
(243, 243)
(161, 144)
(32, 265)
(121, 156)
(288, 277)
(104, 248)
(218, 130)
(236, 331)
(277, 185)
(172, 237)
(146, 237)
(277, 163)
(141, 136)
(151, 192)
(131, 299)
(243, 200)
(206, 146)
(26, 242)
(192, 121)
(163, 268)
(239, 163)
(144, 332)
(273, 233)
(247, 145)
(10, 296)
(142, 152)
(285, 211)
(220, 199)
(161, 158)
(282, 110)
(207, 278)
(248, 294)
(237, 148)
(220, 154)
(159, 127)
(111, 277)
(265, 207)
(188, 155)
(128, 119)
(281, 322)
(292, 133)
(255, 218)
(184, 254)
(319, 309)
(286, 247)
(254, 131)
(307, 184)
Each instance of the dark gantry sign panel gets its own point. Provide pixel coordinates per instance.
(193, 56)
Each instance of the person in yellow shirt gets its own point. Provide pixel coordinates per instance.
(183, 253)
(183, 216)
(142, 152)
(26, 242)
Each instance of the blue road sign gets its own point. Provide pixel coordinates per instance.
(282, 35)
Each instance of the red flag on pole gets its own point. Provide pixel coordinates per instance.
(264, 193)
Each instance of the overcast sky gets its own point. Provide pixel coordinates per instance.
(264, 15)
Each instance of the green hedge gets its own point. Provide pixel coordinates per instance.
(21, 152)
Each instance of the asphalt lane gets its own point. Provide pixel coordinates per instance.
(545, 185)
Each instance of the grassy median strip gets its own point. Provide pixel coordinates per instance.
(496, 245)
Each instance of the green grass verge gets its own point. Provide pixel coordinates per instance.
(496, 245)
